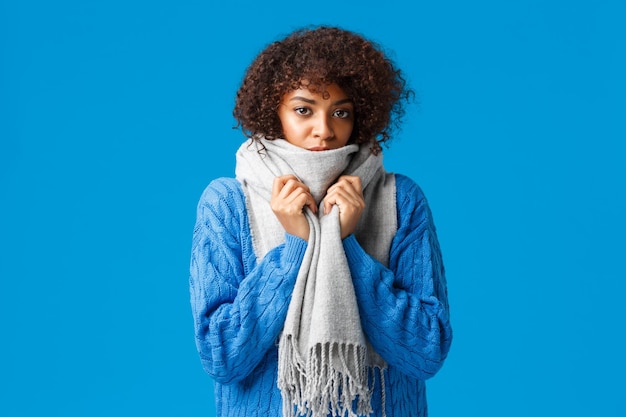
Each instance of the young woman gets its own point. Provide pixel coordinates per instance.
(317, 284)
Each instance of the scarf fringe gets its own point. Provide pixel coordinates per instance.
(334, 380)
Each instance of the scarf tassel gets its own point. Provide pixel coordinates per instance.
(334, 381)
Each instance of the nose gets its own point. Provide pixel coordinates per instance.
(322, 128)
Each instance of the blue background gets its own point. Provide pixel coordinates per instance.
(115, 115)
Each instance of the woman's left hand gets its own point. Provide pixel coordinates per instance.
(347, 194)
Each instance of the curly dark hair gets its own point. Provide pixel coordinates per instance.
(315, 58)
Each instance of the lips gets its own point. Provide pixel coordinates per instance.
(319, 148)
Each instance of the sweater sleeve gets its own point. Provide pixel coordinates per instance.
(404, 308)
(238, 313)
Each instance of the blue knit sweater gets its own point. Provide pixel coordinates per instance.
(239, 306)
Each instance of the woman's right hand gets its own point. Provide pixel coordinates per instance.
(289, 198)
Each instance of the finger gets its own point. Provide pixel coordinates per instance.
(286, 186)
(304, 200)
(301, 198)
(354, 181)
(281, 181)
(346, 198)
(329, 201)
(346, 191)
(291, 189)
(310, 203)
(331, 198)
(340, 198)
(350, 181)
(278, 184)
(350, 184)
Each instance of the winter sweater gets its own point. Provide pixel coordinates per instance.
(239, 306)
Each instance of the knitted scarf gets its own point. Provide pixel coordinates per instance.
(325, 364)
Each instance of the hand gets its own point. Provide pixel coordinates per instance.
(289, 198)
(347, 194)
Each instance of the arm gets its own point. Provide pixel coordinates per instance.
(238, 313)
(404, 308)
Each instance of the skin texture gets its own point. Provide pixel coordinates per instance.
(289, 197)
(347, 194)
(316, 122)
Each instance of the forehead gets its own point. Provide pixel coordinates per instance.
(330, 92)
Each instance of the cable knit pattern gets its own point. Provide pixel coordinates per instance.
(239, 306)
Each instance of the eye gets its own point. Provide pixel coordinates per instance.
(341, 113)
(302, 111)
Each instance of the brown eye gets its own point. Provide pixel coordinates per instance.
(341, 114)
(302, 111)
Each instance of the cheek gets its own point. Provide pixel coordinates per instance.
(346, 131)
(292, 130)
(284, 122)
(287, 125)
(295, 124)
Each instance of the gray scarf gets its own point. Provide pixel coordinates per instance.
(325, 363)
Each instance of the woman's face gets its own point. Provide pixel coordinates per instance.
(313, 122)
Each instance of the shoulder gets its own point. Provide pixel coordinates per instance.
(223, 197)
(408, 192)
(222, 190)
(411, 202)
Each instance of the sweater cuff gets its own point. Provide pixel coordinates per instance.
(294, 247)
(363, 267)
(354, 252)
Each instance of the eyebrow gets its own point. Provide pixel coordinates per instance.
(310, 101)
